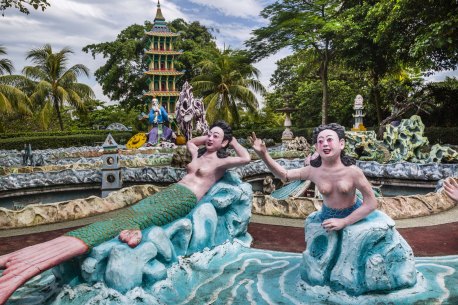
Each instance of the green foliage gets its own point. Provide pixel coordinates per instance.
(309, 26)
(423, 33)
(444, 96)
(21, 5)
(442, 135)
(54, 84)
(123, 77)
(294, 78)
(273, 133)
(28, 134)
(254, 120)
(76, 139)
(99, 116)
(227, 84)
(5, 64)
(196, 43)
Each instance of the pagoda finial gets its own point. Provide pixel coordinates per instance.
(159, 15)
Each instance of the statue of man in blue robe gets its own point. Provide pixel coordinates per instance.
(158, 118)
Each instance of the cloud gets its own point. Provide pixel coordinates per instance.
(228, 34)
(440, 76)
(77, 23)
(242, 9)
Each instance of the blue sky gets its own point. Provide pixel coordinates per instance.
(78, 23)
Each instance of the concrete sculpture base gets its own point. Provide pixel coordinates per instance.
(367, 257)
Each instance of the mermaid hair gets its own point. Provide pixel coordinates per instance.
(340, 130)
(222, 153)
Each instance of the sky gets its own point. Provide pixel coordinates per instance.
(76, 24)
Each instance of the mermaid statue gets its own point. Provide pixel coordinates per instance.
(350, 245)
(208, 165)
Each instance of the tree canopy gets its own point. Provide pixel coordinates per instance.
(54, 84)
(123, 78)
(376, 44)
(21, 5)
(227, 83)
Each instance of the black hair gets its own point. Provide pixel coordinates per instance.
(340, 130)
(221, 153)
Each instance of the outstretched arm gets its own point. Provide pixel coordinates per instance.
(279, 171)
(22, 265)
(451, 188)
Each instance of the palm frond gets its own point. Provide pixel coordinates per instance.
(5, 104)
(45, 115)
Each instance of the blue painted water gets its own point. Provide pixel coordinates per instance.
(234, 274)
(19, 202)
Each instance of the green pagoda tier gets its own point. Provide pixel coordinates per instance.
(162, 74)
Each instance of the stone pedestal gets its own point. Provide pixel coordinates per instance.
(366, 257)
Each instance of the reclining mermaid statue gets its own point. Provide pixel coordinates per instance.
(208, 165)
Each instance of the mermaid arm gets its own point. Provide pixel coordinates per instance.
(193, 145)
(243, 156)
(279, 171)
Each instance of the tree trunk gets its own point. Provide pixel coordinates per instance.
(376, 96)
(324, 86)
(56, 107)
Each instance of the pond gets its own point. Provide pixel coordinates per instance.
(19, 202)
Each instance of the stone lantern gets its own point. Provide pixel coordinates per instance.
(358, 107)
(111, 172)
(287, 134)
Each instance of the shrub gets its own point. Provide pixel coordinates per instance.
(442, 135)
(274, 133)
(62, 141)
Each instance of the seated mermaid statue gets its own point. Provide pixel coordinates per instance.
(335, 175)
(208, 165)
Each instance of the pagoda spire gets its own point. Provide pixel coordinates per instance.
(159, 15)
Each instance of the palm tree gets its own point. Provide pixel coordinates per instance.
(56, 85)
(12, 99)
(227, 82)
(5, 64)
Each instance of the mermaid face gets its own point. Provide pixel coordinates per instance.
(215, 140)
(328, 144)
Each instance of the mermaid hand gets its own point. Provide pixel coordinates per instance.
(131, 237)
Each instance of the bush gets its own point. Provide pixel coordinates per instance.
(33, 134)
(442, 135)
(62, 141)
(274, 133)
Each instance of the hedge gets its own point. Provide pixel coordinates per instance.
(442, 135)
(43, 140)
(62, 141)
(436, 135)
(274, 133)
(56, 133)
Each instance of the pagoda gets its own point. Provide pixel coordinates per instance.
(162, 75)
